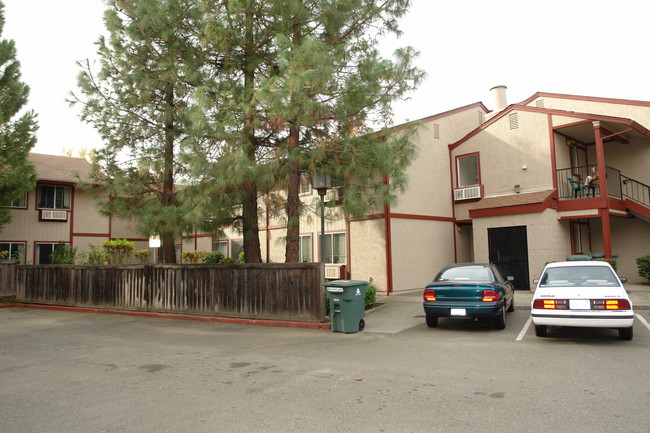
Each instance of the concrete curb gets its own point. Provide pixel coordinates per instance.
(209, 319)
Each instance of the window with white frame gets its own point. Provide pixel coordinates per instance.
(221, 247)
(54, 197)
(305, 248)
(468, 170)
(44, 252)
(16, 250)
(20, 202)
(334, 248)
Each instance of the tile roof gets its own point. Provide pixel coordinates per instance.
(60, 168)
(513, 200)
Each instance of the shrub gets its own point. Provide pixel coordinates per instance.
(97, 256)
(193, 256)
(118, 250)
(242, 259)
(371, 295)
(4, 255)
(143, 257)
(643, 263)
(213, 257)
(63, 254)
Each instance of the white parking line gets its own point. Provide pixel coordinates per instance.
(524, 329)
(645, 322)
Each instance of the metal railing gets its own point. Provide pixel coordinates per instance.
(635, 191)
(571, 182)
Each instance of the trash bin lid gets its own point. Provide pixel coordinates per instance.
(346, 283)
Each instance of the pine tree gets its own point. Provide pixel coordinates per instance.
(140, 102)
(331, 89)
(17, 137)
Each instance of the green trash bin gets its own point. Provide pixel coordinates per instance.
(578, 258)
(347, 302)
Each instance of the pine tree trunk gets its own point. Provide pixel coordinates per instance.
(292, 206)
(168, 198)
(252, 251)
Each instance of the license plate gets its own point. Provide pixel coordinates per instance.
(579, 304)
(458, 312)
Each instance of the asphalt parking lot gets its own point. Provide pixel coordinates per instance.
(70, 371)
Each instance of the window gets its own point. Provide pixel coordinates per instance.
(468, 170)
(305, 249)
(334, 248)
(221, 247)
(19, 202)
(43, 253)
(305, 183)
(237, 246)
(54, 197)
(16, 250)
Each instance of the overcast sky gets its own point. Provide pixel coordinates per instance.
(580, 47)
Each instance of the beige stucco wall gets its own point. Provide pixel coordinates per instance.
(548, 238)
(428, 191)
(368, 252)
(630, 239)
(616, 108)
(87, 218)
(420, 250)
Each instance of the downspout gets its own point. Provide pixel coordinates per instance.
(453, 206)
(389, 248)
(604, 208)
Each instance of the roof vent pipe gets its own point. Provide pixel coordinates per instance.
(499, 97)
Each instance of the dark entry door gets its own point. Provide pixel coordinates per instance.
(509, 251)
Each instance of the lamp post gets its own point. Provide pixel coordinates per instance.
(321, 182)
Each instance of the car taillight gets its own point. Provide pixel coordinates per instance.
(550, 304)
(490, 296)
(429, 295)
(611, 304)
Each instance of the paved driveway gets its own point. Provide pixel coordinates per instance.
(68, 371)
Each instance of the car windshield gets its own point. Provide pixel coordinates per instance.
(570, 276)
(468, 273)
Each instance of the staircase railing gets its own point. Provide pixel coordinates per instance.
(635, 190)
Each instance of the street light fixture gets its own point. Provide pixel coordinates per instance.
(321, 182)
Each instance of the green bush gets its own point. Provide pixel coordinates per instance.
(193, 256)
(143, 257)
(4, 255)
(371, 295)
(213, 257)
(97, 256)
(63, 254)
(643, 263)
(118, 250)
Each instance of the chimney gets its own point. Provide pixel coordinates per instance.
(499, 98)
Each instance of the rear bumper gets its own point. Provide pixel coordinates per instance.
(472, 310)
(584, 319)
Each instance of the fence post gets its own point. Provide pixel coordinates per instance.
(8, 277)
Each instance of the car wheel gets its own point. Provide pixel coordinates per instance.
(540, 330)
(511, 308)
(500, 320)
(432, 321)
(626, 333)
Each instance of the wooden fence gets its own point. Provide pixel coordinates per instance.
(8, 277)
(261, 291)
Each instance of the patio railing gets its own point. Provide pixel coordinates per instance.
(635, 190)
(571, 182)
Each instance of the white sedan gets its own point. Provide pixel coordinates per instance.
(582, 294)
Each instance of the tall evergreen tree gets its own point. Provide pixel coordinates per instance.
(17, 137)
(331, 89)
(305, 86)
(139, 101)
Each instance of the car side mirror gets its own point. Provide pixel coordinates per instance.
(536, 280)
(623, 279)
(510, 278)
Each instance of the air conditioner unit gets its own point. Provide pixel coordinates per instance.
(467, 193)
(54, 215)
(332, 272)
(332, 195)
